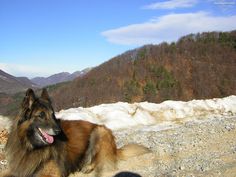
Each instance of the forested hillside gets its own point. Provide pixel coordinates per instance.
(196, 66)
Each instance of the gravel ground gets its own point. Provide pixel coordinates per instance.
(191, 149)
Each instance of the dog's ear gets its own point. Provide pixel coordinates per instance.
(45, 96)
(28, 99)
(26, 105)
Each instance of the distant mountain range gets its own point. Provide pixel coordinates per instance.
(10, 84)
(58, 78)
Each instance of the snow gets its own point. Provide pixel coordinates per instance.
(4, 123)
(151, 116)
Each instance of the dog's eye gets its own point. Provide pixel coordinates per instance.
(41, 115)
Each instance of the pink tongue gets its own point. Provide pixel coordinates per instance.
(48, 137)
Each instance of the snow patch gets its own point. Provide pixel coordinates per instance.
(5, 123)
(157, 116)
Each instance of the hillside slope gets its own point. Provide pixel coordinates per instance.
(195, 67)
(10, 84)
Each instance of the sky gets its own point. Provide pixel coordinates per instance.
(44, 37)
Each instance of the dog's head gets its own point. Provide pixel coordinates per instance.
(37, 124)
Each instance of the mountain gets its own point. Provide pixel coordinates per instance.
(27, 81)
(10, 84)
(12, 88)
(197, 66)
(58, 78)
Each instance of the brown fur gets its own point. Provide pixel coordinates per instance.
(81, 146)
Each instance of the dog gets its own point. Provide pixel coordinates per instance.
(41, 145)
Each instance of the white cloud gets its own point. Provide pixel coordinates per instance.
(172, 4)
(169, 28)
(26, 70)
(224, 5)
(224, 2)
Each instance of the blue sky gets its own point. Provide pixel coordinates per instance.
(43, 37)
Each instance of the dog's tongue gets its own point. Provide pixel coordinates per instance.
(48, 137)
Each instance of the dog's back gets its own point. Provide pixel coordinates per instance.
(98, 145)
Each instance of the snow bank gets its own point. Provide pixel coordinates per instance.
(167, 114)
(4, 123)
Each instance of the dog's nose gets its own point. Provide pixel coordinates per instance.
(57, 130)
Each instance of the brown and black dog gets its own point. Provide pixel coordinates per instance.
(41, 145)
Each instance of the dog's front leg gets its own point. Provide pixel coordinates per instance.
(49, 169)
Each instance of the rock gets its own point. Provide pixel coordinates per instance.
(229, 127)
